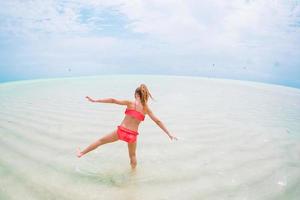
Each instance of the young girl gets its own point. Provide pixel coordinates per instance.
(128, 129)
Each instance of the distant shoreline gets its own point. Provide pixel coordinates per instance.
(148, 75)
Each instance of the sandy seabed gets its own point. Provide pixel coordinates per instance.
(238, 140)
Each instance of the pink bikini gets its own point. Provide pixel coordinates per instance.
(126, 134)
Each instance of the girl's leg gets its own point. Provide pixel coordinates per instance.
(132, 156)
(111, 137)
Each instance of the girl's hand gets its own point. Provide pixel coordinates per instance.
(173, 137)
(90, 99)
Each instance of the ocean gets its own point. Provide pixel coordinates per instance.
(237, 140)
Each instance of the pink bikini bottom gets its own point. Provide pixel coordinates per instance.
(126, 134)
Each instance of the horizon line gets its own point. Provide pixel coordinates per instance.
(145, 74)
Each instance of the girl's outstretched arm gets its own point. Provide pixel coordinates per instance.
(109, 100)
(160, 123)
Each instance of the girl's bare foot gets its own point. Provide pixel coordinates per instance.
(79, 153)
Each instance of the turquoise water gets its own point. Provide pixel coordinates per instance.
(238, 140)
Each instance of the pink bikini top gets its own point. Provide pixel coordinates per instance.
(134, 113)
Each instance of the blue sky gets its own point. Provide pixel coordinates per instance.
(247, 40)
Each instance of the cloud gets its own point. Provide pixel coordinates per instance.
(209, 23)
(251, 39)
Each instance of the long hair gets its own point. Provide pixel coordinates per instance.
(144, 93)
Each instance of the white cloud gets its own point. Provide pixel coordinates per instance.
(229, 22)
(30, 19)
(170, 34)
(203, 23)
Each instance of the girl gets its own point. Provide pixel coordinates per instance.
(128, 129)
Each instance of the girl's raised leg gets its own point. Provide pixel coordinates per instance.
(111, 137)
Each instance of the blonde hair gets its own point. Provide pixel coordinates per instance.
(144, 93)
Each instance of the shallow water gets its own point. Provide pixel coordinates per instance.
(238, 140)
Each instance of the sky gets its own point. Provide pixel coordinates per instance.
(234, 39)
